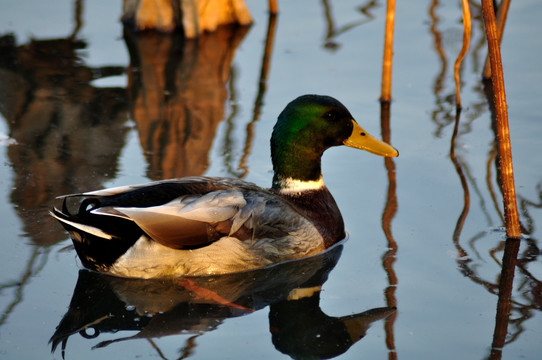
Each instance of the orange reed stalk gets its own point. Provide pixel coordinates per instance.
(511, 215)
(502, 13)
(273, 7)
(388, 52)
(464, 49)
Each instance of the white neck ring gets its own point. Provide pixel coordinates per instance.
(290, 186)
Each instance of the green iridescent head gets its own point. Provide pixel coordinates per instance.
(307, 127)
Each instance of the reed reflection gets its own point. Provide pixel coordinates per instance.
(464, 185)
(262, 87)
(155, 308)
(388, 259)
(333, 31)
(443, 113)
(516, 299)
(506, 285)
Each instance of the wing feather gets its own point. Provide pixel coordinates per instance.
(212, 207)
(187, 221)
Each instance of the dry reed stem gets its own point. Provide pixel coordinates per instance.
(502, 13)
(388, 52)
(273, 7)
(503, 133)
(464, 49)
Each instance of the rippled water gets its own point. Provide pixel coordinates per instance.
(96, 106)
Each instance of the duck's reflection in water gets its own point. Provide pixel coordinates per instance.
(156, 308)
(302, 330)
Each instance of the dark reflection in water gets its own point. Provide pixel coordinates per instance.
(68, 132)
(504, 302)
(156, 308)
(177, 93)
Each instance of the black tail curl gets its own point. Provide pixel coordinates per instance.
(96, 252)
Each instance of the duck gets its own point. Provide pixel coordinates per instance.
(202, 225)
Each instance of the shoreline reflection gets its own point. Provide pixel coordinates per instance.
(177, 91)
(68, 134)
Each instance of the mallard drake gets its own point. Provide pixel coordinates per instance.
(208, 225)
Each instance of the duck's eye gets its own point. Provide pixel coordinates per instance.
(330, 115)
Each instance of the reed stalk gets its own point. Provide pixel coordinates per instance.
(385, 94)
(503, 132)
(502, 13)
(273, 7)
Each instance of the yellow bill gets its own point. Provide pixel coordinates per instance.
(360, 139)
